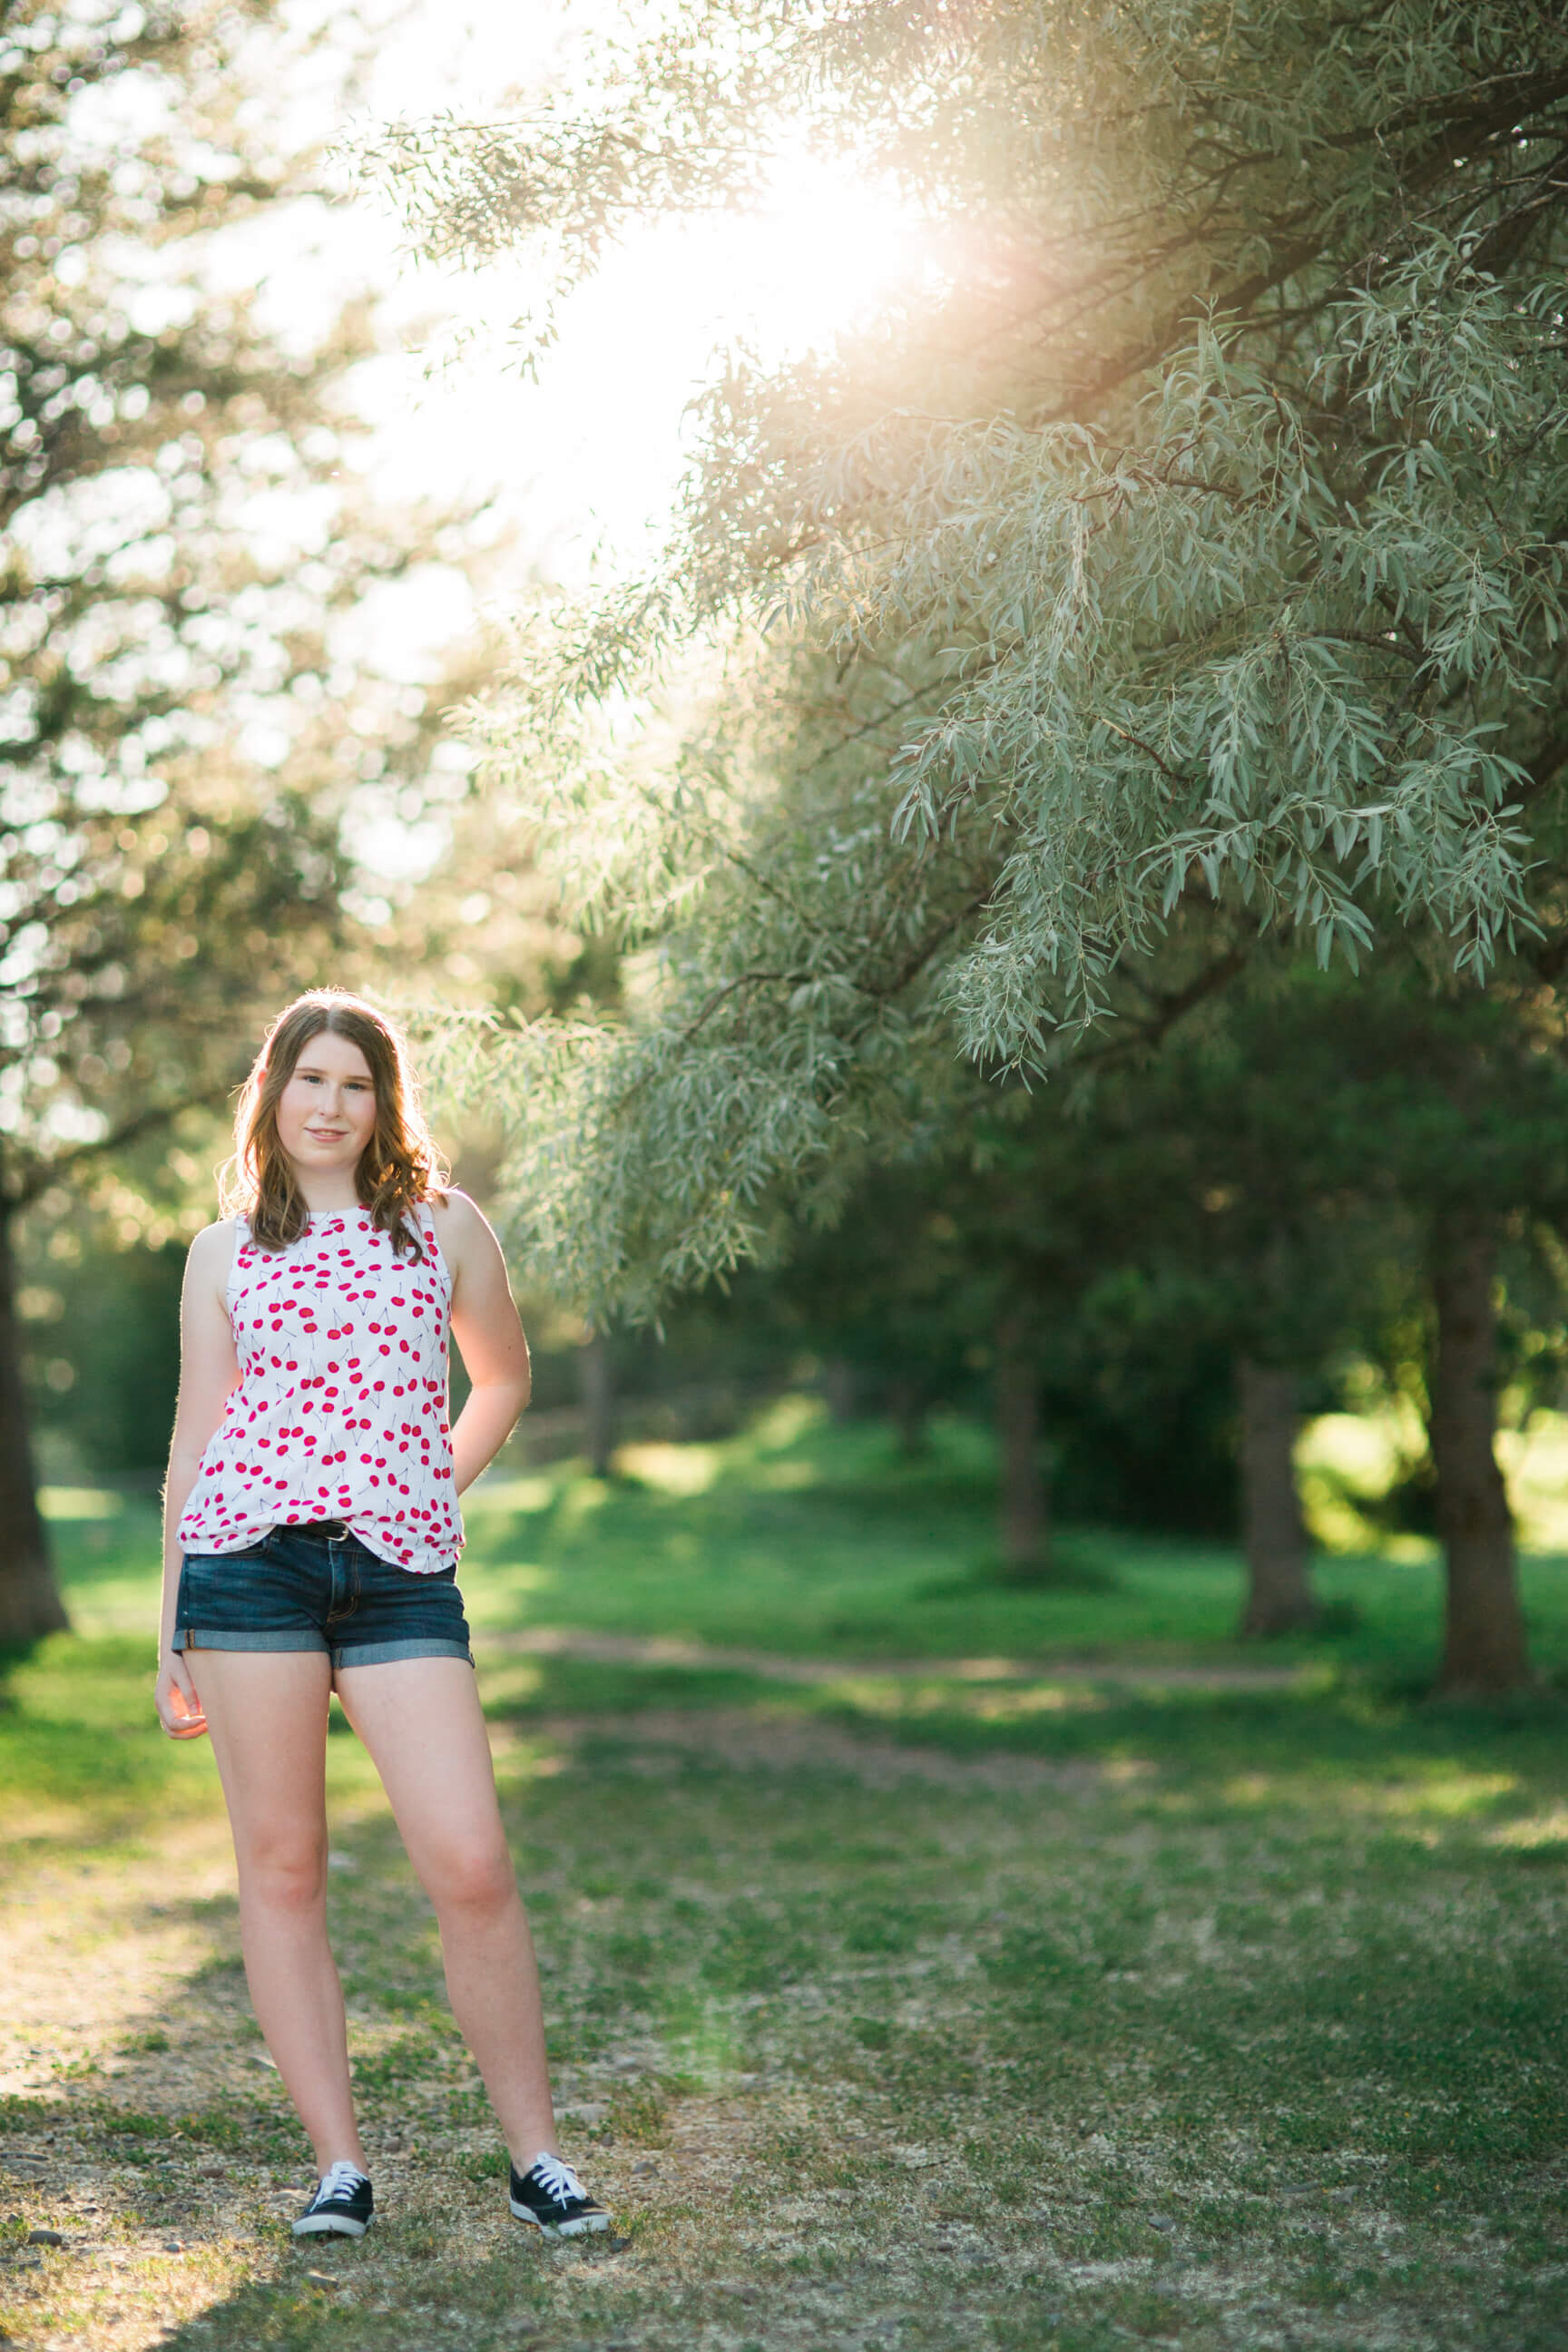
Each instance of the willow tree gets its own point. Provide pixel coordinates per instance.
(1180, 567)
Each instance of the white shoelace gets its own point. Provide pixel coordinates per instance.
(558, 2179)
(339, 2180)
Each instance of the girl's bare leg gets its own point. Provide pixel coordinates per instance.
(420, 1719)
(267, 1711)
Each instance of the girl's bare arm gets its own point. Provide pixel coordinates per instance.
(488, 1334)
(209, 1371)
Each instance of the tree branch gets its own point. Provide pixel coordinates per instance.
(47, 1172)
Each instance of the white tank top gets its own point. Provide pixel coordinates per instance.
(341, 1411)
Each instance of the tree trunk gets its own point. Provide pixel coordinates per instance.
(30, 1604)
(594, 1388)
(841, 1390)
(1280, 1596)
(1025, 1518)
(1484, 1646)
(909, 1405)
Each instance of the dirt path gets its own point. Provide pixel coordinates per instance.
(632, 1650)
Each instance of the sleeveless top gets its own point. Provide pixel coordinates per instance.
(341, 1411)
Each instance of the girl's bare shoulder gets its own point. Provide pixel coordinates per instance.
(213, 1246)
(211, 1255)
(456, 1209)
(456, 1219)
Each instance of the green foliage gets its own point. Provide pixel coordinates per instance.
(1186, 570)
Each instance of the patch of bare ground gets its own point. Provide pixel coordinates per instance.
(95, 1951)
(632, 1650)
(746, 1739)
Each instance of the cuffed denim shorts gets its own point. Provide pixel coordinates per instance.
(318, 1588)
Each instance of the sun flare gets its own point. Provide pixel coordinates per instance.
(592, 453)
(825, 248)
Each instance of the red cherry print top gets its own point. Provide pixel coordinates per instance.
(341, 1411)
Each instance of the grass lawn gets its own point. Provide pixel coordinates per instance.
(1025, 1972)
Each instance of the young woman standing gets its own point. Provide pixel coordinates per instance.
(311, 1543)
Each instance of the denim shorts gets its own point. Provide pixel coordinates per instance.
(318, 1588)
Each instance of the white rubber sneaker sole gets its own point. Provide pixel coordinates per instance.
(560, 2228)
(330, 2225)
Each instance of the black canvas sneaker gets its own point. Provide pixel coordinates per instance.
(342, 2205)
(550, 2195)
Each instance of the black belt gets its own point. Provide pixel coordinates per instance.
(329, 1531)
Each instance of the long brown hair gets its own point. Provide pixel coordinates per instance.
(399, 1166)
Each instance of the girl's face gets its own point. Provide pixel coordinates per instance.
(326, 1112)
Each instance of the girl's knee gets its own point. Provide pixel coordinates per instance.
(476, 1880)
(284, 1873)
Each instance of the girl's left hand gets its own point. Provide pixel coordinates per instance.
(174, 1696)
